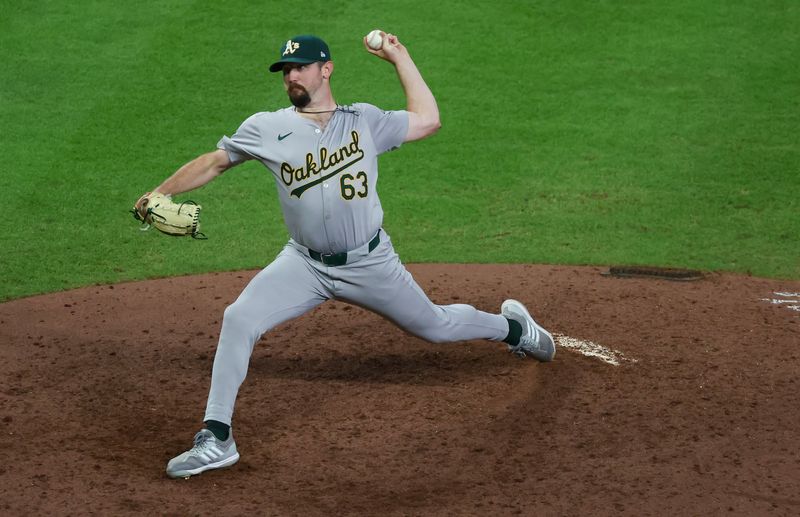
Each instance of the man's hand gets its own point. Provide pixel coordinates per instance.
(391, 51)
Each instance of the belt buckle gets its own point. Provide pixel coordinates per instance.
(333, 259)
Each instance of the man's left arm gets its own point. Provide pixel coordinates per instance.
(423, 113)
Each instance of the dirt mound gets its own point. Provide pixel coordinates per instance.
(342, 413)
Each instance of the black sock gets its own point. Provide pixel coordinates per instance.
(220, 430)
(514, 332)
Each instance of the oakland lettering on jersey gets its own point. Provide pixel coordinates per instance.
(340, 159)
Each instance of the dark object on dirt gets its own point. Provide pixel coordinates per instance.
(654, 272)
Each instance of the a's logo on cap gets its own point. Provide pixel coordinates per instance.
(291, 46)
(322, 54)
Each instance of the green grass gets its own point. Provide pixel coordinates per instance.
(575, 132)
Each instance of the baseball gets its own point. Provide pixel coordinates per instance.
(375, 40)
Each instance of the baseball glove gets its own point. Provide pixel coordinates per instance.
(178, 219)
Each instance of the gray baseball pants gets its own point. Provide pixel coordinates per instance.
(293, 284)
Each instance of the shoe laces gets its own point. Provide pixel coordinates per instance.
(201, 441)
(525, 343)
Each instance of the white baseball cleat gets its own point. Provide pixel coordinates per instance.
(208, 453)
(535, 341)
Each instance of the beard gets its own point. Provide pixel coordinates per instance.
(299, 96)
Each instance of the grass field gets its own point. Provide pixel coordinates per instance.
(574, 132)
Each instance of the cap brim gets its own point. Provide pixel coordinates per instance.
(278, 65)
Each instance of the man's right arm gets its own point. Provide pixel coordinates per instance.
(194, 174)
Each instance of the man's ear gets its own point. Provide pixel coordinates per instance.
(327, 69)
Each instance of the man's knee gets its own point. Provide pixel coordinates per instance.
(233, 315)
(435, 327)
(236, 319)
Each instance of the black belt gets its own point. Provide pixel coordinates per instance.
(340, 259)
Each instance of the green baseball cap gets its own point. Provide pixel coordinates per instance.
(302, 49)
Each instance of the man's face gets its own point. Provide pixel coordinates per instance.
(302, 82)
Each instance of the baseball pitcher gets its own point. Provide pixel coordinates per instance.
(323, 157)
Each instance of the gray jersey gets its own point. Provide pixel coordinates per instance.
(327, 178)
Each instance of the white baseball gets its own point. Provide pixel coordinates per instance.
(375, 40)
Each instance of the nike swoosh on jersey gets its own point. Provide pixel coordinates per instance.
(281, 137)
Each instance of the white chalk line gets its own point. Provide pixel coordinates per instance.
(789, 300)
(777, 301)
(590, 349)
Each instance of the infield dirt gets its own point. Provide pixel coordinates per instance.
(344, 414)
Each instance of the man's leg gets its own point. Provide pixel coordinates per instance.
(382, 284)
(284, 290)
